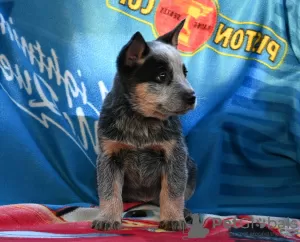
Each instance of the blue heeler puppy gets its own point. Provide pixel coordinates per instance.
(143, 155)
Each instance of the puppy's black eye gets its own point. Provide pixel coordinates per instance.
(184, 70)
(162, 77)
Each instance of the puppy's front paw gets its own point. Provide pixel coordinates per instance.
(106, 225)
(177, 225)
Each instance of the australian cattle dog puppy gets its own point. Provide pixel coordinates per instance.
(143, 155)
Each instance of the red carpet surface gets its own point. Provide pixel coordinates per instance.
(33, 222)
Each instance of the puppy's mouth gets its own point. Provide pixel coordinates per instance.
(179, 112)
(176, 112)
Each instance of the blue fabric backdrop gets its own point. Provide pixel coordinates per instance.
(57, 62)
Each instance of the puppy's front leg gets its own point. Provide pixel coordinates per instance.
(110, 178)
(173, 187)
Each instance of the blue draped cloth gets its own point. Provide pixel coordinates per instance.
(57, 63)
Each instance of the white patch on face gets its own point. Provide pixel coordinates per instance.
(170, 96)
(171, 55)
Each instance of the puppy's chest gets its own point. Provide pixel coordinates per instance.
(143, 166)
(141, 148)
(138, 133)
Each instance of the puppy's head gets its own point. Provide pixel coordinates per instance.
(154, 76)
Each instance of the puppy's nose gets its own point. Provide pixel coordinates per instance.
(190, 98)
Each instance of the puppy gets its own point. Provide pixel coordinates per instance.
(143, 155)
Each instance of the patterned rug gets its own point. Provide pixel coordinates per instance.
(34, 222)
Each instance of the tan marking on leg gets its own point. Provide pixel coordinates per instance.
(112, 209)
(171, 209)
(110, 147)
(169, 147)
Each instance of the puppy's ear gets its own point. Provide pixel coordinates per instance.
(136, 49)
(171, 37)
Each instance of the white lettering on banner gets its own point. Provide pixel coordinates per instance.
(6, 68)
(84, 127)
(45, 102)
(86, 137)
(103, 90)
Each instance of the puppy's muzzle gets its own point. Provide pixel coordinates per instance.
(189, 98)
